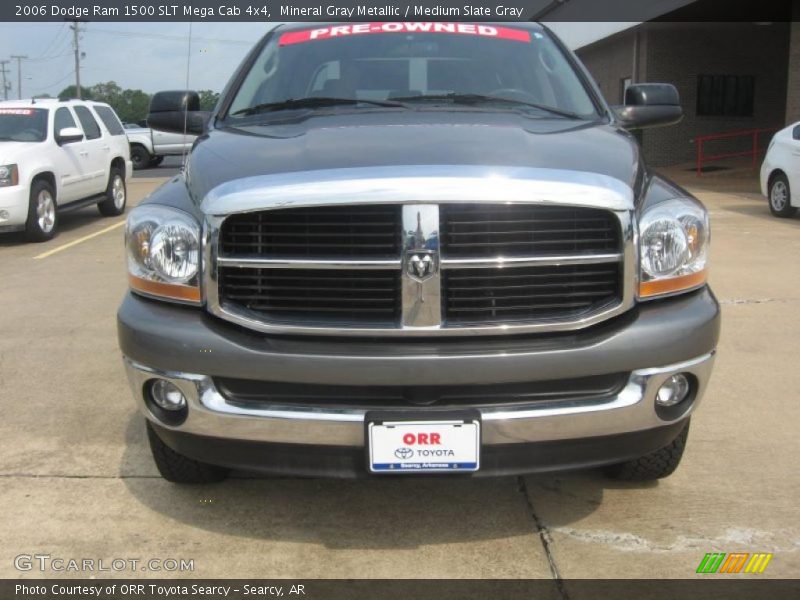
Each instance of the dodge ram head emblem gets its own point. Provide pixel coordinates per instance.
(421, 265)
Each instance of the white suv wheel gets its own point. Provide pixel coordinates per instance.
(45, 211)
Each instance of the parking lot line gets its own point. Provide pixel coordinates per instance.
(79, 240)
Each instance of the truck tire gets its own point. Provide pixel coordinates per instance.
(42, 223)
(178, 468)
(655, 465)
(780, 194)
(116, 194)
(140, 157)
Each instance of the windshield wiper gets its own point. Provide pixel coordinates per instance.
(457, 98)
(312, 102)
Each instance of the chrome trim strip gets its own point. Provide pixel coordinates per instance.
(421, 279)
(633, 409)
(292, 263)
(532, 261)
(426, 184)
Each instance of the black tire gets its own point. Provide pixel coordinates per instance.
(780, 194)
(42, 223)
(156, 160)
(655, 465)
(140, 157)
(116, 194)
(178, 468)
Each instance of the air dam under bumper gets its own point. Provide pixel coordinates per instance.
(651, 342)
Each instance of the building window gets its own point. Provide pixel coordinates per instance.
(624, 84)
(725, 95)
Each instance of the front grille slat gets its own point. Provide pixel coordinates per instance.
(369, 298)
(263, 394)
(319, 232)
(472, 296)
(485, 230)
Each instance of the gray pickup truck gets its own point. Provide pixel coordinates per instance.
(150, 147)
(425, 248)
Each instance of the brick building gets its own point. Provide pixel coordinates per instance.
(730, 76)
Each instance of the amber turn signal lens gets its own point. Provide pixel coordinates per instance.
(658, 287)
(164, 290)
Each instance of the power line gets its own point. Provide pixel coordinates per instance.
(54, 41)
(165, 36)
(55, 83)
(19, 58)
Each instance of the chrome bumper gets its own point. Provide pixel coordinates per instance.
(633, 409)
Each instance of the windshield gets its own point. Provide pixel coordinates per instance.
(413, 65)
(23, 124)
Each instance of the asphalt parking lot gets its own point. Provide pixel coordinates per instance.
(78, 480)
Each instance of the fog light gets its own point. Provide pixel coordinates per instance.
(4, 215)
(167, 395)
(673, 391)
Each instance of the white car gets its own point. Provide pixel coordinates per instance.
(57, 156)
(150, 146)
(780, 172)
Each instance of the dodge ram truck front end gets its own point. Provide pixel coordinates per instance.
(349, 280)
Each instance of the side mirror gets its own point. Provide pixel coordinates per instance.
(68, 135)
(649, 105)
(177, 112)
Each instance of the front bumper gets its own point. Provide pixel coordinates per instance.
(14, 201)
(651, 342)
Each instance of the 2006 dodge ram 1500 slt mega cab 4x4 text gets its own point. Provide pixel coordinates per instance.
(417, 248)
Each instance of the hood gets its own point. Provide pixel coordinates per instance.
(14, 152)
(386, 138)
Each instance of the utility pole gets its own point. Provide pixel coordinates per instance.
(3, 64)
(19, 58)
(76, 46)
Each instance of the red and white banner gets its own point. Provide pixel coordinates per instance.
(336, 31)
(25, 112)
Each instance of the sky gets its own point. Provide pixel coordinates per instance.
(153, 56)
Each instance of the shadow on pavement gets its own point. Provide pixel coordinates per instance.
(761, 211)
(69, 221)
(359, 514)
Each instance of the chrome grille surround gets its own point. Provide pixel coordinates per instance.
(420, 190)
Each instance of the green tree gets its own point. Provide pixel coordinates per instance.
(108, 92)
(132, 105)
(70, 92)
(208, 99)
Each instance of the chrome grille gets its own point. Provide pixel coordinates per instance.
(419, 269)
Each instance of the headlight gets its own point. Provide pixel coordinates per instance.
(163, 247)
(673, 247)
(8, 175)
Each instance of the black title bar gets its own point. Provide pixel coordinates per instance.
(389, 10)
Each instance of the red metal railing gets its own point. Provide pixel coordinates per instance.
(754, 151)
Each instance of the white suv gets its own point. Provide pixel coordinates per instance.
(56, 156)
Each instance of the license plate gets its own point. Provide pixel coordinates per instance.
(424, 446)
